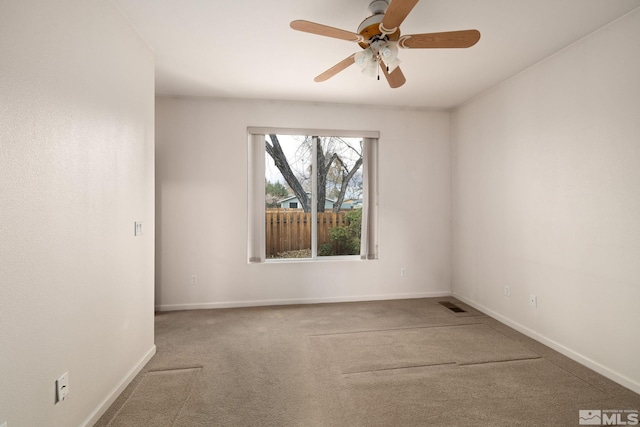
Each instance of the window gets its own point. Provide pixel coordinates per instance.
(312, 194)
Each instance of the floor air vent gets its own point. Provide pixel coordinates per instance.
(451, 306)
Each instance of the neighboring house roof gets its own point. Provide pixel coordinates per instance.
(352, 202)
(293, 197)
(328, 202)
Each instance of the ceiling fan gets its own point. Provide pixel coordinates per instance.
(379, 37)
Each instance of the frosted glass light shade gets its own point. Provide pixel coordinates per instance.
(371, 69)
(362, 58)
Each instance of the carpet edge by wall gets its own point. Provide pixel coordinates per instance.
(568, 352)
(124, 382)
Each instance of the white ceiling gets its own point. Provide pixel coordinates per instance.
(246, 49)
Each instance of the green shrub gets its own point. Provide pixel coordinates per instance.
(325, 249)
(347, 236)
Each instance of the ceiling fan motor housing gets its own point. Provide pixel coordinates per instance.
(369, 29)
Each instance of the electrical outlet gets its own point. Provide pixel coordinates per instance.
(533, 300)
(62, 387)
(194, 279)
(507, 291)
(403, 272)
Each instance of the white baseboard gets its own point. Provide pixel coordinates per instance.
(571, 354)
(108, 401)
(260, 303)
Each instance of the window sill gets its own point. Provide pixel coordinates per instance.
(323, 259)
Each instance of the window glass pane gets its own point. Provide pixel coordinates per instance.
(313, 196)
(339, 192)
(288, 196)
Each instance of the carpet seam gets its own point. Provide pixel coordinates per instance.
(126, 401)
(399, 368)
(444, 364)
(524, 359)
(184, 402)
(522, 343)
(124, 404)
(393, 329)
(576, 376)
(191, 368)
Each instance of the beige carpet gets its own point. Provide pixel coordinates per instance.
(383, 363)
(157, 399)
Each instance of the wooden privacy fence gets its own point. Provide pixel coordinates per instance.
(290, 229)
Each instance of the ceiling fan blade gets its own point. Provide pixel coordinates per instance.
(395, 78)
(449, 39)
(395, 14)
(325, 30)
(336, 69)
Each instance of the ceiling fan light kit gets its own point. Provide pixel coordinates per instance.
(379, 37)
(378, 51)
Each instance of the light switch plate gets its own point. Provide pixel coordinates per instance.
(62, 387)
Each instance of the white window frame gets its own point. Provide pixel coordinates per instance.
(256, 245)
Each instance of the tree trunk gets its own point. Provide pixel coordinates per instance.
(279, 158)
(345, 183)
(322, 176)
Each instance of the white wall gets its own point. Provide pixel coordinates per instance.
(76, 171)
(202, 206)
(546, 199)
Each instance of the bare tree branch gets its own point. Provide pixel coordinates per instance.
(325, 161)
(345, 183)
(280, 160)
